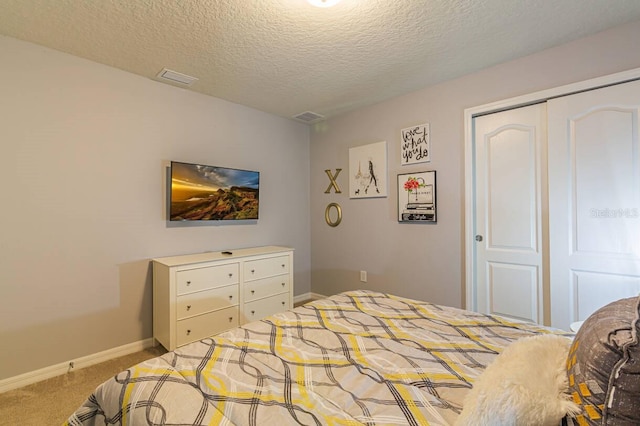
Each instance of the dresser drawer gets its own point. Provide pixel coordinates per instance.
(192, 280)
(262, 268)
(193, 304)
(261, 308)
(205, 325)
(259, 289)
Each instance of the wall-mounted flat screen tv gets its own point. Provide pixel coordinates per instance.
(201, 192)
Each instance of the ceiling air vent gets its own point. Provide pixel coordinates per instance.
(174, 77)
(308, 117)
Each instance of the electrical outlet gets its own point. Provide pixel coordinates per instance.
(363, 276)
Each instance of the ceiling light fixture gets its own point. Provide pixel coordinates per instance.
(323, 3)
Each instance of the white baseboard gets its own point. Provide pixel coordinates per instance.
(307, 296)
(78, 363)
(86, 361)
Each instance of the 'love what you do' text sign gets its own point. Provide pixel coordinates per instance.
(415, 146)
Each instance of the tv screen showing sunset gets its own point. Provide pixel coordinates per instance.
(200, 192)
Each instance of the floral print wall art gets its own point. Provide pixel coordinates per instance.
(417, 197)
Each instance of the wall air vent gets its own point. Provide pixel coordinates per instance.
(174, 77)
(308, 117)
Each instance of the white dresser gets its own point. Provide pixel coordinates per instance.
(199, 295)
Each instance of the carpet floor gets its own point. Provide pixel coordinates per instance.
(52, 401)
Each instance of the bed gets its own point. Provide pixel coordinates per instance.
(359, 357)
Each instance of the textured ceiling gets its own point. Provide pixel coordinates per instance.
(287, 57)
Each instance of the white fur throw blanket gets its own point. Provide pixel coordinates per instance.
(525, 385)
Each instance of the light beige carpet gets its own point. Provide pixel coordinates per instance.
(51, 401)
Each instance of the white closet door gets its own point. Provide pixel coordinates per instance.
(594, 200)
(509, 191)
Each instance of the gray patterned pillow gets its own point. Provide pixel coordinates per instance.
(604, 365)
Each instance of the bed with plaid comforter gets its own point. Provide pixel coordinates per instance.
(359, 357)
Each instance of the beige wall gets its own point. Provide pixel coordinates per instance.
(426, 261)
(84, 155)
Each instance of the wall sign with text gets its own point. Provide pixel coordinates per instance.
(415, 145)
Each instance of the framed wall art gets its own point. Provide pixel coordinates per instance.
(417, 197)
(415, 144)
(368, 171)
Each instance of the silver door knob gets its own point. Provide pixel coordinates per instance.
(478, 238)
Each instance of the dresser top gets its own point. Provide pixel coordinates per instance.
(210, 256)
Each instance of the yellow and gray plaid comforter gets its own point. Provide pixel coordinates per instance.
(359, 357)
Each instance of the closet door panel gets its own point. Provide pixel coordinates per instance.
(594, 204)
(594, 290)
(509, 186)
(603, 167)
